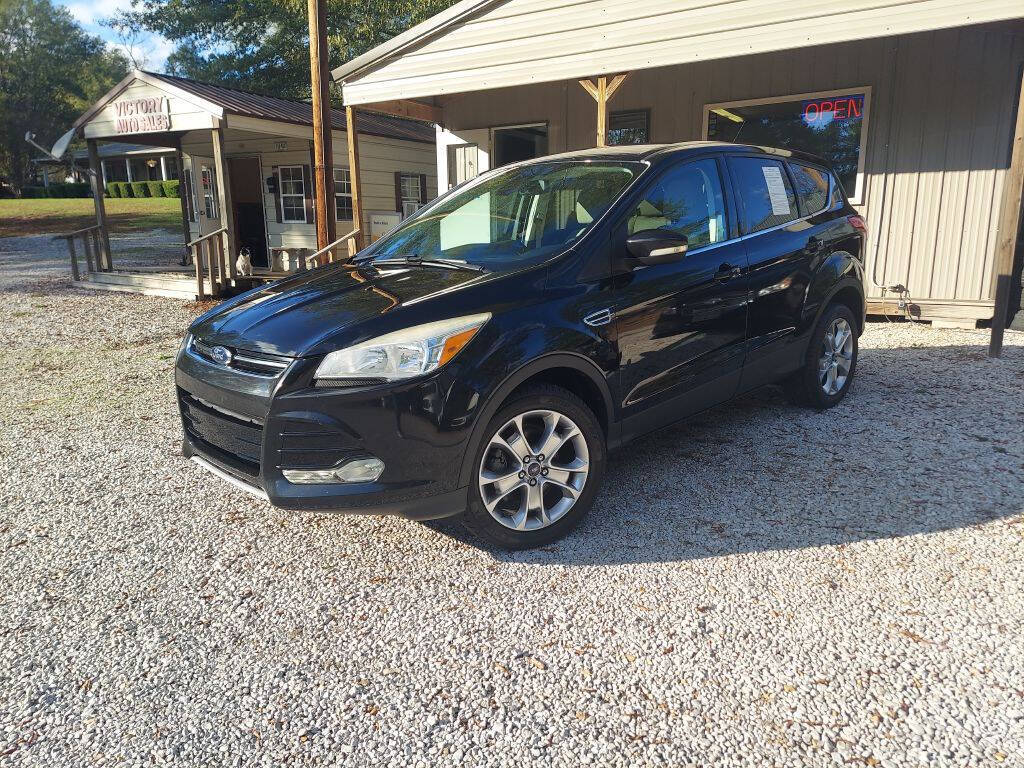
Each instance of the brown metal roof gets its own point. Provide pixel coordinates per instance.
(301, 112)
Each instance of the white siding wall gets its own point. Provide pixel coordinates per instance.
(535, 41)
(938, 136)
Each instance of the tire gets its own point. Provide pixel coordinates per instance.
(564, 485)
(813, 385)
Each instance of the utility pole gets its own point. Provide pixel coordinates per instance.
(320, 79)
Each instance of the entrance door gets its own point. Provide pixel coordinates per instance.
(247, 201)
(466, 156)
(205, 180)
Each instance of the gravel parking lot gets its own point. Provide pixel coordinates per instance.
(761, 586)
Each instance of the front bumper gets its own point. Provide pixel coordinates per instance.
(247, 428)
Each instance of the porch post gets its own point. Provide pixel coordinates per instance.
(103, 169)
(1009, 227)
(224, 197)
(602, 92)
(352, 135)
(46, 177)
(95, 179)
(128, 169)
(163, 167)
(182, 192)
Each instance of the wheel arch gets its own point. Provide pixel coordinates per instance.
(571, 371)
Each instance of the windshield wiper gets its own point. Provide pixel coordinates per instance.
(416, 261)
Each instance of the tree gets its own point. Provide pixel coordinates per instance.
(51, 71)
(263, 45)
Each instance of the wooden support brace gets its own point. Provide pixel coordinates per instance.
(602, 92)
(415, 110)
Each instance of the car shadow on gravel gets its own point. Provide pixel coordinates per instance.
(919, 446)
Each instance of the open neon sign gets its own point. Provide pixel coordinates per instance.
(821, 112)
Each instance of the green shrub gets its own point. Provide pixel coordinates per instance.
(124, 189)
(75, 189)
(140, 189)
(171, 188)
(32, 192)
(112, 189)
(155, 188)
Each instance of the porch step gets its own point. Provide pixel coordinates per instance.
(167, 285)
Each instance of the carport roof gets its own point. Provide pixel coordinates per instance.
(236, 102)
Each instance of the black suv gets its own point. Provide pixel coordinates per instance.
(483, 358)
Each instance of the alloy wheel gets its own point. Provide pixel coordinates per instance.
(533, 470)
(836, 357)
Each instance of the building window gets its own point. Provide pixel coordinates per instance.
(209, 182)
(829, 124)
(410, 193)
(190, 196)
(632, 127)
(342, 194)
(293, 194)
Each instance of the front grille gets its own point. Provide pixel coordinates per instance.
(229, 439)
(258, 363)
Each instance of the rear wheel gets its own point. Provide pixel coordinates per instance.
(538, 469)
(831, 361)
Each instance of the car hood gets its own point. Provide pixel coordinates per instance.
(304, 314)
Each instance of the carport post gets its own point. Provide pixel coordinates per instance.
(95, 180)
(1009, 227)
(602, 92)
(224, 197)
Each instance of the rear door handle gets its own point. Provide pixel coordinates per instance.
(727, 272)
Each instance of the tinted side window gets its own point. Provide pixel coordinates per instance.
(811, 187)
(687, 200)
(767, 196)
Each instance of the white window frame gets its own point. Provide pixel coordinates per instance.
(338, 194)
(211, 209)
(281, 193)
(419, 202)
(858, 196)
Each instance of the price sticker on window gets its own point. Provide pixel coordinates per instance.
(776, 189)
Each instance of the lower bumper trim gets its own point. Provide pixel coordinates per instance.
(239, 484)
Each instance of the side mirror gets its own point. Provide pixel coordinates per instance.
(657, 246)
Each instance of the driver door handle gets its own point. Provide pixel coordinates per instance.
(727, 271)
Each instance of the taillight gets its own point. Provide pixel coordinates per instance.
(858, 223)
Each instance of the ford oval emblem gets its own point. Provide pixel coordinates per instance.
(221, 355)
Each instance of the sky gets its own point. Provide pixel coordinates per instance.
(150, 51)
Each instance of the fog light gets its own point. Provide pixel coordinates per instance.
(363, 470)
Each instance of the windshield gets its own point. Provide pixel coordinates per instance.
(520, 216)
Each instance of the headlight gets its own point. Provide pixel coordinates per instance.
(402, 354)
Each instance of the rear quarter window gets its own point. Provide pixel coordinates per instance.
(812, 185)
(765, 191)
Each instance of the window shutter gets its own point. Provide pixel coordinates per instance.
(307, 188)
(398, 191)
(277, 193)
(423, 189)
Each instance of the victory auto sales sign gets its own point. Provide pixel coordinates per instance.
(142, 115)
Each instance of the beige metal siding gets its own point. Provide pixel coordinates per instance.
(937, 149)
(535, 41)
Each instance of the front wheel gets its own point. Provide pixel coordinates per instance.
(538, 469)
(831, 361)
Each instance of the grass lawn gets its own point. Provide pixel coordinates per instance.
(52, 216)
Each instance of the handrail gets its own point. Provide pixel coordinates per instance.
(332, 246)
(76, 233)
(219, 271)
(198, 240)
(94, 259)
